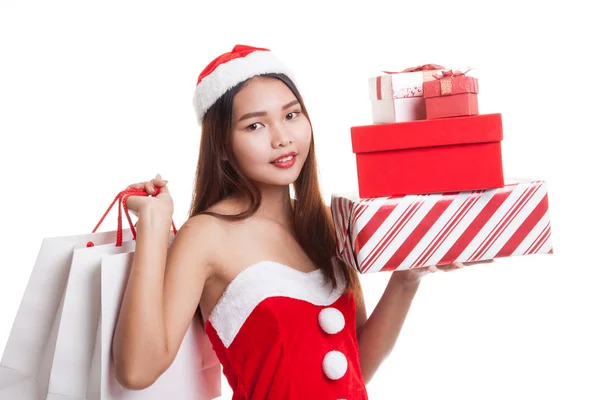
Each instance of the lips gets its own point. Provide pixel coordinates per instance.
(284, 158)
(284, 162)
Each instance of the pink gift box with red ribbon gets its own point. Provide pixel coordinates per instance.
(398, 96)
(451, 94)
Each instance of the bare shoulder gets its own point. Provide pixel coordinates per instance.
(208, 233)
(198, 239)
(205, 230)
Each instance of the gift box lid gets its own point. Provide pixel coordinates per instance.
(402, 84)
(355, 198)
(427, 133)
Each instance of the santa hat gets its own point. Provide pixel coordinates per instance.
(231, 68)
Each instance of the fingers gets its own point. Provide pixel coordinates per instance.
(139, 185)
(150, 188)
(163, 189)
(432, 268)
(155, 186)
(158, 181)
(161, 184)
(446, 267)
(133, 203)
(450, 267)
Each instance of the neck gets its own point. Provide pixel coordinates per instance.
(276, 205)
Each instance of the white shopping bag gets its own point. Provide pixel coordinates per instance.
(37, 312)
(50, 313)
(195, 374)
(63, 373)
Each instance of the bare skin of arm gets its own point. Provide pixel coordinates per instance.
(162, 295)
(377, 334)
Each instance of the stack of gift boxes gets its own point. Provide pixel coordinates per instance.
(430, 178)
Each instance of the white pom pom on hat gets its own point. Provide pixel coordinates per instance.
(229, 69)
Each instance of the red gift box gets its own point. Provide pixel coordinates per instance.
(429, 156)
(451, 95)
(399, 233)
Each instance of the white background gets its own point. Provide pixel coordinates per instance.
(94, 96)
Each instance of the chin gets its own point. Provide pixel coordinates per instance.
(282, 180)
(276, 177)
(279, 182)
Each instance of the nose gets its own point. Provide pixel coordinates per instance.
(280, 137)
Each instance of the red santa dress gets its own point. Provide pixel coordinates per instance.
(285, 334)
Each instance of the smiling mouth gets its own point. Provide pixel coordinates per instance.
(285, 162)
(284, 159)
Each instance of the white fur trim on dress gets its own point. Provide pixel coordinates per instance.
(261, 281)
(227, 75)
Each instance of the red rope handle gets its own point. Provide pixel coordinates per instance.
(138, 192)
(122, 199)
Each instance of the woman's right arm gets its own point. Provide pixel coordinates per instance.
(162, 294)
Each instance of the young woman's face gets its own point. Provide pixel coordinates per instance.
(271, 135)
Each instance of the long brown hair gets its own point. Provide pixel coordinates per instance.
(218, 176)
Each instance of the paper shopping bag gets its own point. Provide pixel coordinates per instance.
(65, 365)
(65, 368)
(23, 389)
(44, 323)
(39, 306)
(195, 374)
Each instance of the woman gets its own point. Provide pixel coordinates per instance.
(285, 317)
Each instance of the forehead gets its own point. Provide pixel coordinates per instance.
(262, 94)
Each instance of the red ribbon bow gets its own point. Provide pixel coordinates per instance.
(450, 73)
(424, 67)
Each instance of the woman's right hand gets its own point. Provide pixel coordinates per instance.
(161, 203)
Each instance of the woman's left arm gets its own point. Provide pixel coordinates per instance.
(378, 333)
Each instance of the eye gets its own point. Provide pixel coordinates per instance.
(254, 126)
(292, 115)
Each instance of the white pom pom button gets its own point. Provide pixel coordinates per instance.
(335, 365)
(331, 320)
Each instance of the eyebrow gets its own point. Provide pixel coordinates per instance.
(263, 113)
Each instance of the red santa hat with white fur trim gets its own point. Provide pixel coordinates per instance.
(231, 68)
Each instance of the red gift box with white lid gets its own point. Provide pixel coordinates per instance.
(429, 156)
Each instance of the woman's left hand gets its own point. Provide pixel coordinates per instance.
(413, 276)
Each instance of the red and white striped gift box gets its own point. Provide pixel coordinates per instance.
(398, 233)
